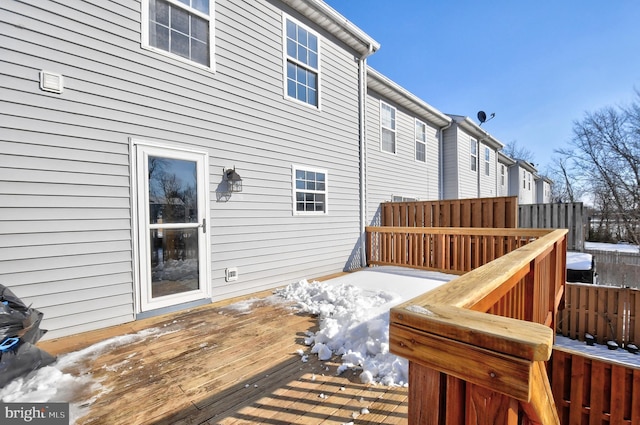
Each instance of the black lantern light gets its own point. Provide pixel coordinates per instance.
(234, 181)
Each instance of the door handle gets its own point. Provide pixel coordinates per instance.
(204, 225)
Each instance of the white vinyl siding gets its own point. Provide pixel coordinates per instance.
(398, 176)
(387, 128)
(421, 141)
(183, 29)
(65, 185)
(302, 50)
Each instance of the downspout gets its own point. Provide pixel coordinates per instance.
(441, 159)
(362, 63)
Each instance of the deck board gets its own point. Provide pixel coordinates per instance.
(219, 365)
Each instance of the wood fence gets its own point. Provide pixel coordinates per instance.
(500, 212)
(617, 268)
(477, 346)
(568, 216)
(606, 312)
(594, 391)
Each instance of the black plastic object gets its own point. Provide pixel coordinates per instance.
(19, 331)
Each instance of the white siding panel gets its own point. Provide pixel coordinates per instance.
(64, 162)
(400, 174)
(451, 164)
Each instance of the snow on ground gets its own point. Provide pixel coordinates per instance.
(353, 313)
(621, 247)
(599, 350)
(579, 260)
(65, 380)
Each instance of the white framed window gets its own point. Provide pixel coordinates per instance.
(387, 128)
(180, 28)
(421, 141)
(502, 174)
(310, 191)
(474, 154)
(487, 159)
(302, 54)
(400, 198)
(529, 179)
(524, 179)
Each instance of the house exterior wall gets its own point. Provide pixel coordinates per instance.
(66, 235)
(450, 163)
(502, 179)
(487, 186)
(398, 175)
(521, 184)
(543, 191)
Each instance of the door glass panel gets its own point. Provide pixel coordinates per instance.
(174, 261)
(172, 191)
(174, 249)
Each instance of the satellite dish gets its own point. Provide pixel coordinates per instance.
(482, 117)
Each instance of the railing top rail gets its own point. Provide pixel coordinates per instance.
(444, 311)
(474, 231)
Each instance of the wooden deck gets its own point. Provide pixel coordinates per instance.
(220, 365)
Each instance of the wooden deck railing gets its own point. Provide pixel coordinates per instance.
(608, 313)
(454, 250)
(590, 390)
(477, 346)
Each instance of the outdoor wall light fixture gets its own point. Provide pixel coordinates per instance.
(234, 181)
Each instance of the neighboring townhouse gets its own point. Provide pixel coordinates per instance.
(403, 145)
(470, 160)
(543, 189)
(504, 166)
(157, 155)
(521, 182)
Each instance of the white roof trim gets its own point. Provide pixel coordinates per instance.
(476, 131)
(332, 21)
(400, 96)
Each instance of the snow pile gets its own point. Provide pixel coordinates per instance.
(579, 260)
(354, 318)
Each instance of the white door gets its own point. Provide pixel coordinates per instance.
(172, 226)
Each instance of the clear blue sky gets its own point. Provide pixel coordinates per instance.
(539, 65)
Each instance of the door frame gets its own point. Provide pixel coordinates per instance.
(141, 267)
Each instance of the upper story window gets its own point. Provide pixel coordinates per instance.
(502, 174)
(387, 127)
(182, 28)
(529, 178)
(303, 65)
(524, 179)
(310, 191)
(474, 155)
(421, 141)
(487, 159)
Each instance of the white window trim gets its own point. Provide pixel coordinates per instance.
(487, 161)
(394, 130)
(417, 121)
(502, 175)
(295, 168)
(212, 31)
(285, 58)
(474, 157)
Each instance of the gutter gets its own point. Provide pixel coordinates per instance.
(362, 104)
(441, 159)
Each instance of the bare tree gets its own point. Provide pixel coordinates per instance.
(515, 151)
(605, 156)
